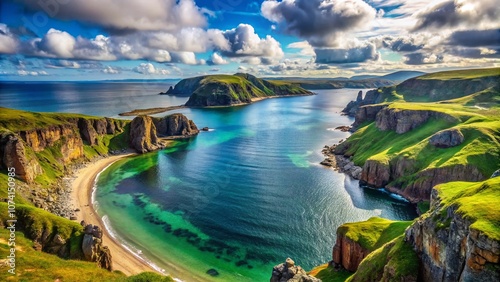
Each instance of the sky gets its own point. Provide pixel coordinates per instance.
(160, 39)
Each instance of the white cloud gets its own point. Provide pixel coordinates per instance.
(125, 15)
(150, 69)
(216, 59)
(243, 41)
(8, 42)
(110, 70)
(306, 48)
(31, 73)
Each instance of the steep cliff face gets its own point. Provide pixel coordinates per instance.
(366, 114)
(358, 239)
(143, 136)
(459, 239)
(14, 154)
(348, 253)
(146, 133)
(404, 120)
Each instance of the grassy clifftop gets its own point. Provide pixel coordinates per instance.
(226, 90)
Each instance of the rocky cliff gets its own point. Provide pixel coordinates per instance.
(149, 134)
(459, 239)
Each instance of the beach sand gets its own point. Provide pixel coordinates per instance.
(82, 187)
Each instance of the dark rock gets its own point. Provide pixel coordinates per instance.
(205, 129)
(87, 131)
(110, 126)
(288, 272)
(100, 126)
(176, 125)
(447, 138)
(213, 272)
(496, 173)
(143, 136)
(73, 217)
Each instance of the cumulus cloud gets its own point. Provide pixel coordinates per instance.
(421, 58)
(188, 58)
(62, 64)
(455, 13)
(475, 38)
(320, 22)
(216, 59)
(361, 52)
(149, 69)
(306, 48)
(110, 70)
(127, 15)
(243, 41)
(8, 41)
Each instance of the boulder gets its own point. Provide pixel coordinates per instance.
(289, 272)
(447, 138)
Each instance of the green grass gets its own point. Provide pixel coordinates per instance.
(394, 261)
(328, 274)
(423, 206)
(462, 74)
(477, 201)
(374, 232)
(480, 149)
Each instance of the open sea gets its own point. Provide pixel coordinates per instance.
(238, 199)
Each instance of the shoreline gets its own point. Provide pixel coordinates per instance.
(82, 186)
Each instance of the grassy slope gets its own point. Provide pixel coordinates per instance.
(480, 126)
(374, 232)
(477, 201)
(461, 74)
(32, 265)
(371, 235)
(397, 257)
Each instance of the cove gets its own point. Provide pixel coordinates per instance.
(243, 197)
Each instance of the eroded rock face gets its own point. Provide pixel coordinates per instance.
(376, 173)
(347, 253)
(367, 113)
(143, 136)
(176, 125)
(450, 250)
(14, 154)
(403, 121)
(289, 272)
(447, 138)
(87, 131)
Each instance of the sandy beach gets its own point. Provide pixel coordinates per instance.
(82, 186)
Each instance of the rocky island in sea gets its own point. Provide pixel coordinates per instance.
(228, 90)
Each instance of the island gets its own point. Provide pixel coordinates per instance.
(230, 90)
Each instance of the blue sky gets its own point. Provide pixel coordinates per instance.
(154, 39)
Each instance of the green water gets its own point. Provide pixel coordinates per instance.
(243, 197)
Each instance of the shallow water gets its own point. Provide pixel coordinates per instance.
(243, 197)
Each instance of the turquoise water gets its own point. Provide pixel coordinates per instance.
(243, 197)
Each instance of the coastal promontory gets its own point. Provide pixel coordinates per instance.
(228, 90)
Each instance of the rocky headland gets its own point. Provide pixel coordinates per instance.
(228, 90)
(420, 150)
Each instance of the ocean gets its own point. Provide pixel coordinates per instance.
(238, 199)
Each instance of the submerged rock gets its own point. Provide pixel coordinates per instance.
(213, 272)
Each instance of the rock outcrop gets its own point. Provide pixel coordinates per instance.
(402, 121)
(175, 125)
(147, 134)
(353, 106)
(14, 154)
(447, 138)
(143, 136)
(450, 248)
(366, 114)
(93, 249)
(289, 272)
